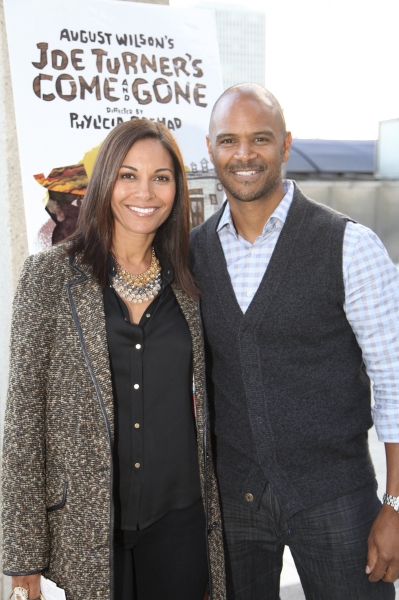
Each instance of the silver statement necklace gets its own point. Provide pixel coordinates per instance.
(138, 288)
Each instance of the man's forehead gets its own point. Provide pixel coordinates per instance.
(236, 96)
(237, 108)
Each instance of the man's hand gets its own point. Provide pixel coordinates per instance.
(383, 545)
(30, 583)
(383, 542)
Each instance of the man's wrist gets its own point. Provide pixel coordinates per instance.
(391, 501)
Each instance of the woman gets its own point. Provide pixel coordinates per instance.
(105, 476)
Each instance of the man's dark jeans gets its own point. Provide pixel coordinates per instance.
(328, 543)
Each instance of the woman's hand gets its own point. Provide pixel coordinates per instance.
(30, 583)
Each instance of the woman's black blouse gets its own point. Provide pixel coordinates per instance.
(155, 450)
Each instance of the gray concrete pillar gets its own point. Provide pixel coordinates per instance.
(14, 245)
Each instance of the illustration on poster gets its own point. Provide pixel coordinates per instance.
(162, 90)
(66, 187)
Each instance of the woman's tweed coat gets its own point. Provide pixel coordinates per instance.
(57, 465)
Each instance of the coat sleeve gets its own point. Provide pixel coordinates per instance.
(24, 515)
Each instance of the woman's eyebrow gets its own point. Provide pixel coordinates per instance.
(156, 170)
(127, 167)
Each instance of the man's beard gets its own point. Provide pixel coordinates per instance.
(264, 191)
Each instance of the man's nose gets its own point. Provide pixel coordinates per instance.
(245, 152)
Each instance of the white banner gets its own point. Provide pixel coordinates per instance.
(81, 67)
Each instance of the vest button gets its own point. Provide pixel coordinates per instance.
(249, 497)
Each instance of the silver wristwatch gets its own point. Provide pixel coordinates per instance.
(392, 501)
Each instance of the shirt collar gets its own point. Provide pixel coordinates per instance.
(280, 213)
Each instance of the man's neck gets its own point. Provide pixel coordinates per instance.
(250, 217)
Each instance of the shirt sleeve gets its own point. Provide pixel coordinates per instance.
(371, 305)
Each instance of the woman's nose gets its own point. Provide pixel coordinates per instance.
(145, 193)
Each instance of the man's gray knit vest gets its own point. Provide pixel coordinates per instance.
(290, 392)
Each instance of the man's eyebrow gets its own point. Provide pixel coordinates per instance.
(266, 132)
(223, 135)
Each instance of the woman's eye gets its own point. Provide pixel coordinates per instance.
(162, 178)
(127, 176)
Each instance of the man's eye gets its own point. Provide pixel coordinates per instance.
(227, 141)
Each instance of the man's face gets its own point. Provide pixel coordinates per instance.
(247, 145)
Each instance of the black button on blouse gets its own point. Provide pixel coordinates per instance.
(155, 450)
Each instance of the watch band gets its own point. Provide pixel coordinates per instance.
(392, 501)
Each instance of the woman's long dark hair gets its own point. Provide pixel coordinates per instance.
(94, 233)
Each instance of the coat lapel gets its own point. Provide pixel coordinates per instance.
(87, 306)
(190, 313)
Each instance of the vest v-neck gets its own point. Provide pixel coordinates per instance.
(273, 274)
(279, 261)
(220, 273)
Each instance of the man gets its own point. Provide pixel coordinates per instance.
(300, 307)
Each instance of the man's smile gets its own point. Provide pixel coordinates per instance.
(246, 174)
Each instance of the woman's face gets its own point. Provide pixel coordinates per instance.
(145, 189)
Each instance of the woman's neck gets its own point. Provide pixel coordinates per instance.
(133, 252)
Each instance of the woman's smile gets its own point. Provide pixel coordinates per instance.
(142, 211)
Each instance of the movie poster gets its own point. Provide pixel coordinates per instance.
(80, 68)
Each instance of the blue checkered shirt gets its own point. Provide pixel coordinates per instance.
(371, 305)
